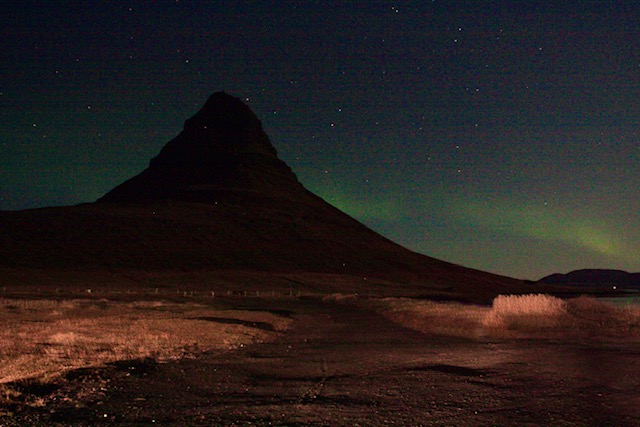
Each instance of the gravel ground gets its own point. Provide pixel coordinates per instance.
(343, 366)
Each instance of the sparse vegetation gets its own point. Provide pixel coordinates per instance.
(518, 316)
(340, 298)
(450, 318)
(42, 338)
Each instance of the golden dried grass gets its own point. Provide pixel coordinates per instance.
(532, 313)
(40, 338)
(440, 318)
(517, 316)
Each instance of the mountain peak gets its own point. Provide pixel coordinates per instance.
(225, 125)
(222, 146)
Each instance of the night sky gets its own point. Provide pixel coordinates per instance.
(498, 135)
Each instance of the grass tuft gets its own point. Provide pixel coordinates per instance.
(340, 298)
(534, 312)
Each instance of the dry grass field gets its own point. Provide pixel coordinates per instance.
(43, 338)
(517, 316)
(340, 360)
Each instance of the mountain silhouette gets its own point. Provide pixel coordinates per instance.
(222, 152)
(217, 199)
(595, 278)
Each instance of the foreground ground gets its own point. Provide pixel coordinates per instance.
(342, 365)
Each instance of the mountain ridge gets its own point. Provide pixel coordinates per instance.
(594, 277)
(217, 197)
(222, 146)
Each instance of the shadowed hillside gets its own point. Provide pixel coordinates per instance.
(595, 278)
(217, 197)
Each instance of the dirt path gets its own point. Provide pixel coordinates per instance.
(341, 366)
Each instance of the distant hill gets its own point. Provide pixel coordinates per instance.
(218, 199)
(595, 278)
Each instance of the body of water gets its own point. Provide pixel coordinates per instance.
(623, 299)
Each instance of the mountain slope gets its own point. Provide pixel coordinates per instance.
(595, 278)
(218, 198)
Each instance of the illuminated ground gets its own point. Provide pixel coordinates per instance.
(340, 365)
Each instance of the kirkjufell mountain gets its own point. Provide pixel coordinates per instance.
(218, 202)
(222, 152)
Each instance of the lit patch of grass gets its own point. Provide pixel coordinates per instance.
(42, 338)
(525, 313)
(449, 318)
(594, 317)
(533, 304)
(517, 316)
